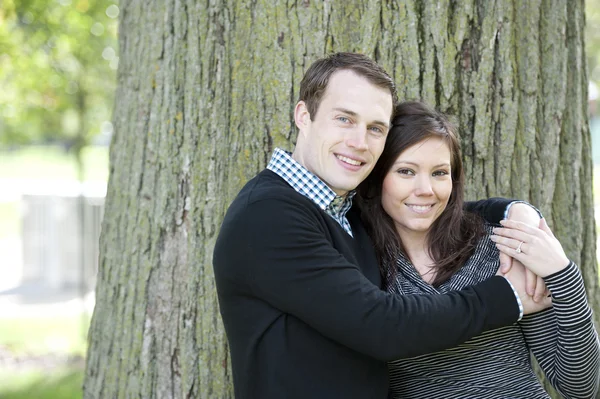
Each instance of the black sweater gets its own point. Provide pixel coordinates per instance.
(302, 306)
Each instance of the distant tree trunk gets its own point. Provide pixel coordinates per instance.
(206, 91)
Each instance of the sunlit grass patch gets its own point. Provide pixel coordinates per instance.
(65, 383)
(64, 334)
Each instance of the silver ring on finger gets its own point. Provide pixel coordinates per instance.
(518, 250)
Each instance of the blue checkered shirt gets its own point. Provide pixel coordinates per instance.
(313, 188)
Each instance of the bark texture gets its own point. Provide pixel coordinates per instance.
(206, 91)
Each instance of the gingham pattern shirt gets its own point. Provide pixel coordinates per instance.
(310, 186)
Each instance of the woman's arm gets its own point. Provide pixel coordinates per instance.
(563, 338)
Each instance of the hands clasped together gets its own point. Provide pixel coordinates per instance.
(533, 250)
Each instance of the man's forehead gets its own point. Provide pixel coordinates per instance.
(352, 87)
(342, 77)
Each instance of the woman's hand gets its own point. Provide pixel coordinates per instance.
(536, 248)
(535, 285)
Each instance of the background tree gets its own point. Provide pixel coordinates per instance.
(206, 91)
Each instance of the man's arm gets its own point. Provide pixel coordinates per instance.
(497, 208)
(492, 209)
(292, 265)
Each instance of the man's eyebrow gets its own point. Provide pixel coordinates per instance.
(346, 111)
(381, 123)
(352, 113)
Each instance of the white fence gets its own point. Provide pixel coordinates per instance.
(60, 237)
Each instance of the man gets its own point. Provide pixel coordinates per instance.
(297, 277)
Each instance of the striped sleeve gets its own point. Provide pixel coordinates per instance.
(563, 339)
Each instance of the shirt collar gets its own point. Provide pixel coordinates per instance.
(307, 183)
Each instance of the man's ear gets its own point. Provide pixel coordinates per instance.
(301, 116)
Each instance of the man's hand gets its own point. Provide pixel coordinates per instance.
(517, 276)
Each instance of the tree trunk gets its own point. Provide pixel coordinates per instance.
(206, 91)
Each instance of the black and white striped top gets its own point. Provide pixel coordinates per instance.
(497, 364)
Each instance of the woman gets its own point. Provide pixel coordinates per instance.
(412, 205)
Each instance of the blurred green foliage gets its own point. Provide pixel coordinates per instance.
(592, 37)
(58, 61)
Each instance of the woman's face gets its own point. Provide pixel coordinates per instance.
(418, 186)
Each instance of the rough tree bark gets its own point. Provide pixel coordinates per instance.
(205, 92)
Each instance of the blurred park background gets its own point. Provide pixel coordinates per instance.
(58, 62)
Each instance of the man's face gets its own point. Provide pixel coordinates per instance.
(343, 141)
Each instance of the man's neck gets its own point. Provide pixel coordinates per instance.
(298, 158)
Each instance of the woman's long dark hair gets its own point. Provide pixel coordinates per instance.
(454, 234)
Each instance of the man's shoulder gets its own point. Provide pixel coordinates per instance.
(265, 206)
(266, 185)
(268, 191)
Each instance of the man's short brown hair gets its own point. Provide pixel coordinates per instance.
(316, 78)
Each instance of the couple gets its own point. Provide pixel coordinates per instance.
(319, 296)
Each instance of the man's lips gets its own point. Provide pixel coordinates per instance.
(350, 161)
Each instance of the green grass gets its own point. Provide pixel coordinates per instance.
(52, 162)
(37, 336)
(43, 336)
(60, 384)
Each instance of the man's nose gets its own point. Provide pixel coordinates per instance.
(358, 138)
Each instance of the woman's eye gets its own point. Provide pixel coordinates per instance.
(407, 172)
(343, 119)
(440, 173)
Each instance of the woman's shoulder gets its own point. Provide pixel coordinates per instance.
(487, 227)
